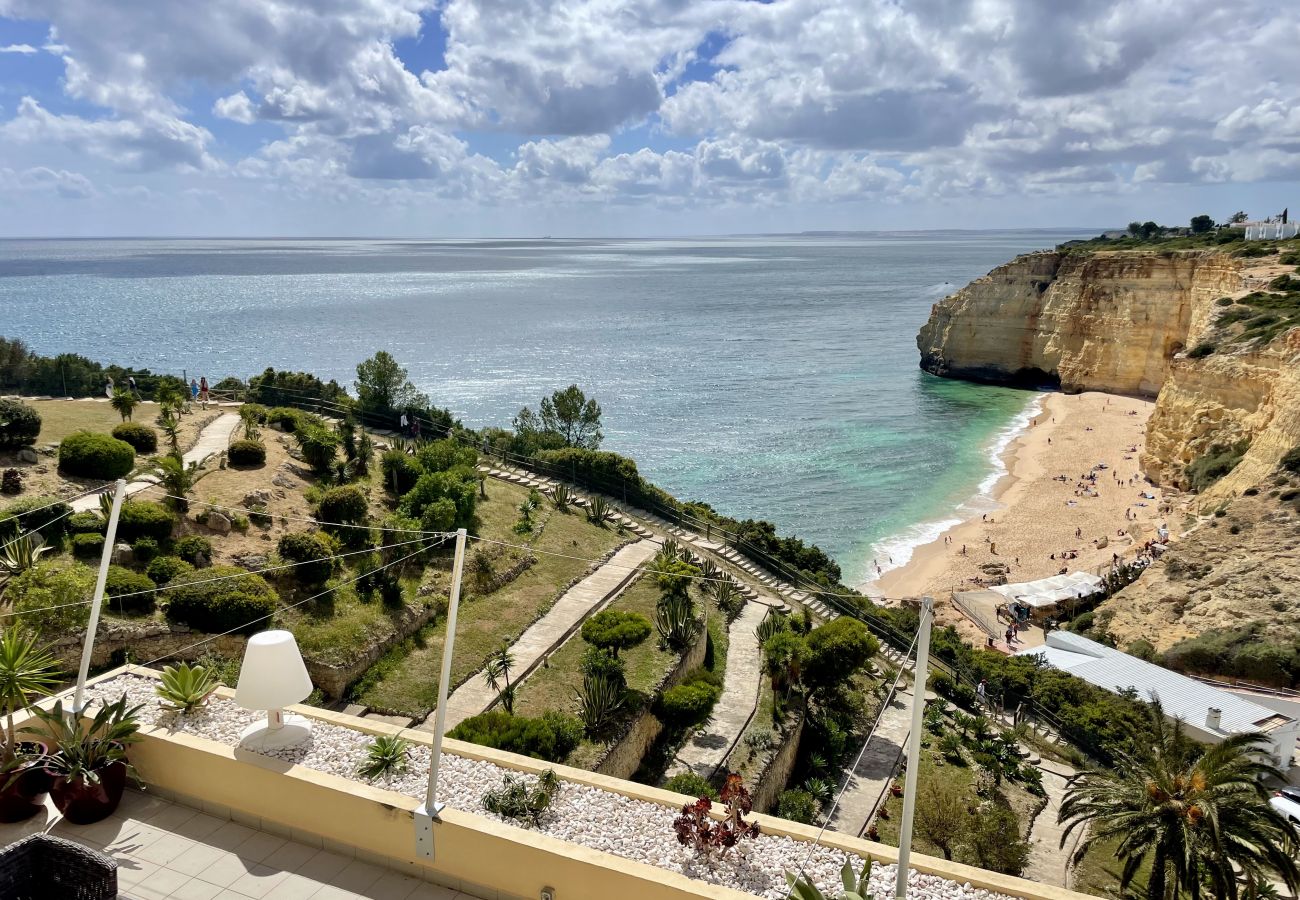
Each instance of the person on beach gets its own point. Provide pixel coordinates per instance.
(1011, 635)
(194, 390)
(203, 391)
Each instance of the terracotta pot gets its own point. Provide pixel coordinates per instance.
(83, 802)
(25, 796)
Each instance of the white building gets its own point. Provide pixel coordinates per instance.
(1208, 714)
(1271, 231)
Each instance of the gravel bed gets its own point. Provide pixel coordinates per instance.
(634, 829)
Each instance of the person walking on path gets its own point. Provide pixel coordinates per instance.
(194, 390)
(980, 692)
(108, 387)
(203, 391)
(132, 387)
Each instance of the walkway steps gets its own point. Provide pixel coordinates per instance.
(866, 784)
(551, 630)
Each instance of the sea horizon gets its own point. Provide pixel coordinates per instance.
(773, 376)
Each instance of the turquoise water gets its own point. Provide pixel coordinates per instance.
(773, 377)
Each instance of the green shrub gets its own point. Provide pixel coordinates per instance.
(400, 471)
(48, 585)
(143, 438)
(144, 549)
(246, 454)
(459, 485)
(312, 551)
(48, 515)
(1212, 465)
(613, 630)
(166, 568)
(255, 412)
(1223, 301)
(1201, 350)
(837, 651)
(19, 424)
(686, 704)
(86, 523)
(1291, 460)
(439, 456)
(140, 518)
(552, 737)
(242, 604)
(319, 444)
(1265, 662)
(98, 456)
(346, 504)
(122, 581)
(797, 806)
(1142, 649)
(194, 549)
(285, 416)
(88, 545)
(691, 785)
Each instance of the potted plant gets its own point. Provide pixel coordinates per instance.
(89, 769)
(27, 673)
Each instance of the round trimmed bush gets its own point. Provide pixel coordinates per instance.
(401, 472)
(255, 411)
(19, 424)
(126, 590)
(100, 456)
(691, 785)
(345, 503)
(144, 549)
(86, 523)
(285, 416)
(615, 630)
(88, 544)
(165, 569)
(797, 806)
(240, 604)
(246, 454)
(687, 704)
(313, 551)
(551, 737)
(48, 515)
(141, 518)
(143, 438)
(195, 550)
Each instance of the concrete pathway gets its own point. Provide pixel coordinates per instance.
(709, 746)
(213, 439)
(1048, 861)
(564, 618)
(873, 773)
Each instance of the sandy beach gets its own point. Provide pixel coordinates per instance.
(1040, 518)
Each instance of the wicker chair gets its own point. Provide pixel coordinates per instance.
(41, 867)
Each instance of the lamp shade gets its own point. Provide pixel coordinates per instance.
(273, 674)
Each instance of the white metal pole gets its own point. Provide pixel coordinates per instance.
(431, 807)
(922, 672)
(106, 557)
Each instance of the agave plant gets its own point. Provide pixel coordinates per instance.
(598, 511)
(675, 620)
(521, 799)
(773, 623)
(821, 789)
(671, 549)
(712, 575)
(21, 554)
(599, 700)
(854, 884)
(365, 451)
(728, 597)
(106, 505)
(561, 496)
(185, 687)
(386, 754)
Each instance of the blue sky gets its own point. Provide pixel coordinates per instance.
(622, 117)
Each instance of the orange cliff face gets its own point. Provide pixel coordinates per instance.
(1105, 321)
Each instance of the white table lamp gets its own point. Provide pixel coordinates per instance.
(272, 677)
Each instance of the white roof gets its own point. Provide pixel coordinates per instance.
(1181, 697)
(1050, 591)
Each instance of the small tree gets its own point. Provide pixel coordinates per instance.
(1135, 229)
(837, 651)
(1238, 217)
(124, 403)
(497, 675)
(613, 630)
(382, 386)
(1201, 224)
(568, 415)
(941, 816)
(1149, 230)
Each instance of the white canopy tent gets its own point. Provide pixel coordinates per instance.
(1047, 592)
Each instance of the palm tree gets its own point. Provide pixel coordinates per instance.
(171, 427)
(1199, 814)
(497, 671)
(124, 402)
(177, 478)
(26, 673)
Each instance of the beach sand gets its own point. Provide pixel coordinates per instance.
(1035, 518)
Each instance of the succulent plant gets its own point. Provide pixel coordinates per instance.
(186, 687)
(521, 799)
(385, 754)
(599, 700)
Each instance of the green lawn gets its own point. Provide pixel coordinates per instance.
(406, 680)
(1099, 871)
(330, 629)
(60, 418)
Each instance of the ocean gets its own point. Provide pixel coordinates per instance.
(774, 377)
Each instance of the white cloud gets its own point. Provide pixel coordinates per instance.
(237, 107)
(18, 48)
(43, 180)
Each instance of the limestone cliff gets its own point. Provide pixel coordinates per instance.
(1106, 321)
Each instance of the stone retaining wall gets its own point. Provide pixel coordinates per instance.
(624, 755)
(776, 774)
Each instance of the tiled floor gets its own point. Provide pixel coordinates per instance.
(166, 850)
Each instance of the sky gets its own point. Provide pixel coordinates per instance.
(466, 118)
